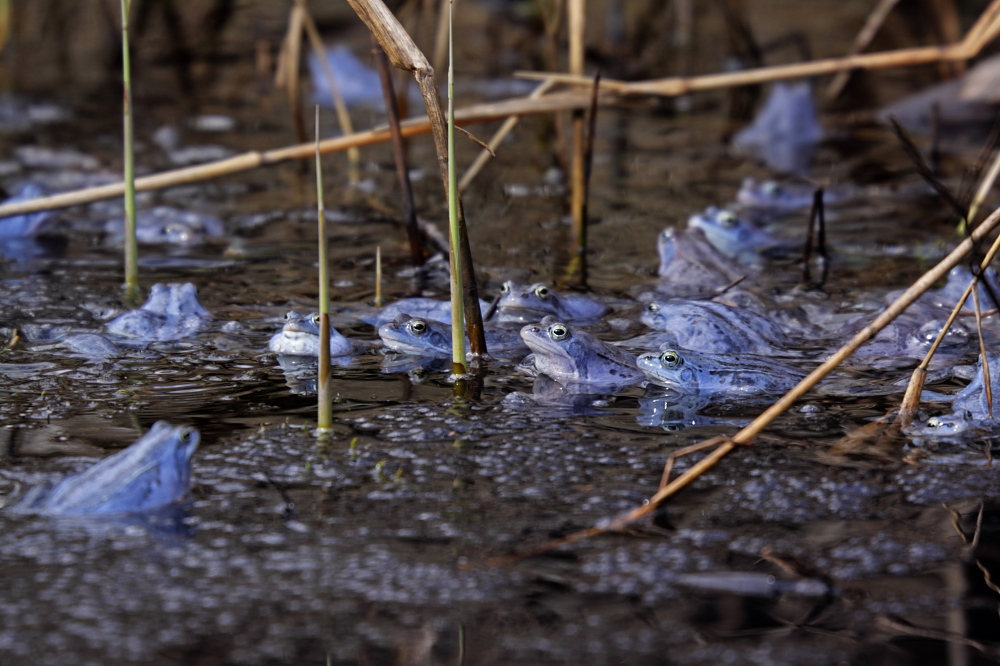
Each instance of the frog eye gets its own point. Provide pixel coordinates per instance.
(558, 332)
(417, 326)
(653, 307)
(934, 422)
(315, 319)
(186, 435)
(671, 359)
(726, 219)
(542, 292)
(288, 315)
(505, 288)
(771, 188)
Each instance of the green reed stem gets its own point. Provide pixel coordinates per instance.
(378, 276)
(457, 309)
(324, 417)
(131, 246)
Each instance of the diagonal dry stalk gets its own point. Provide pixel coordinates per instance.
(985, 30)
(490, 150)
(404, 54)
(343, 116)
(745, 436)
(861, 42)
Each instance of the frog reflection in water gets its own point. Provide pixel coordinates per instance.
(152, 472)
(300, 337)
(572, 356)
(171, 313)
(425, 337)
(718, 376)
(732, 235)
(531, 303)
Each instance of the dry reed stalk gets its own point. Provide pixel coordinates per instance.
(378, 276)
(494, 143)
(343, 116)
(288, 64)
(987, 387)
(745, 436)
(254, 159)
(576, 26)
(440, 58)
(982, 32)
(404, 54)
(399, 155)
(552, 21)
(861, 42)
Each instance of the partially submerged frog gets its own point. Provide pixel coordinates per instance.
(712, 327)
(425, 337)
(28, 225)
(780, 198)
(905, 342)
(573, 356)
(152, 472)
(718, 376)
(172, 312)
(732, 235)
(299, 336)
(165, 225)
(423, 308)
(785, 131)
(691, 266)
(971, 415)
(525, 304)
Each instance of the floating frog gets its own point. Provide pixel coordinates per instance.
(785, 131)
(691, 266)
(164, 225)
(971, 416)
(172, 312)
(300, 337)
(718, 376)
(708, 326)
(152, 472)
(28, 225)
(905, 342)
(573, 356)
(732, 235)
(423, 308)
(425, 337)
(525, 304)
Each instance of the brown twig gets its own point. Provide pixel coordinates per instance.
(576, 25)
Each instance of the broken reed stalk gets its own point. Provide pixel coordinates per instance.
(324, 408)
(131, 244)
(988, 389)
(343, 116)
(576, 26)
(494, 143)
(399, 155)
(403, 53)
(982, 32)
(745, 436)
(457, 311)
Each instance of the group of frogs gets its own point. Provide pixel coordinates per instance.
(710, 343)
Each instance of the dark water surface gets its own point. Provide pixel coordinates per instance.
(372, 547)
